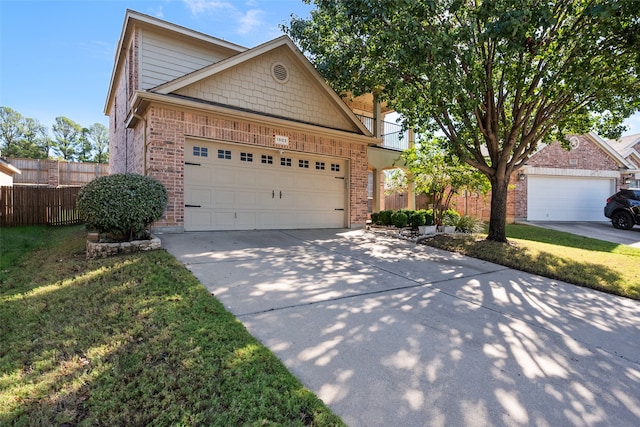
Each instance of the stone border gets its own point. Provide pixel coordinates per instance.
(96, 249)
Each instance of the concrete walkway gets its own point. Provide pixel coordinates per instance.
(392, 334)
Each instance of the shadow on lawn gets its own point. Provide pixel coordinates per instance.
(545, 264)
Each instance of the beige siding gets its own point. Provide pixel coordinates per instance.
(163, 59)
(250, 85)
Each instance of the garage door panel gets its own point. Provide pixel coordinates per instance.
(567, 198)
(239, 195)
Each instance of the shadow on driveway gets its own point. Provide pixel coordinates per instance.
(390, 333)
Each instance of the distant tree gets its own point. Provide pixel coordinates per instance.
(84, 146)
(67, 135)
(496, 77)
(99, 137)
(11, 130)
(35, 142)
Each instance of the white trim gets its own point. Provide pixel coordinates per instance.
(610, 150)
(537, 171)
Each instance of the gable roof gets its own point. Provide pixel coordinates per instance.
(133, 19)
(263, 49)
(626, 146)
(608, 149)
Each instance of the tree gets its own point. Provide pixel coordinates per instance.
(441, 175)
(496, 77)
(35, 142)
(67, 138)
(99, 137)
(11, 129)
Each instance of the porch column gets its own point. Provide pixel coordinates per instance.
(377, 119)
(411, 195)
(376, 191)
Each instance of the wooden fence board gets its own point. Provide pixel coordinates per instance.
(38, 206)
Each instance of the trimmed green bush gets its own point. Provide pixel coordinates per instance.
(418, 218)
(385, 217)
(428, 215)
(399, 219)
(375, 218)
(450, 217)
(122, 205)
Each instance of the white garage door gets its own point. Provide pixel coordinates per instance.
(552, 198)
(232, 187)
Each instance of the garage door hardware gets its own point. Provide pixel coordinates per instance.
(192, 164)
(192, 206)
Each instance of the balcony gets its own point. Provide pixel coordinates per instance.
(393, 137)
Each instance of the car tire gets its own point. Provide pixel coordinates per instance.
(622, 220)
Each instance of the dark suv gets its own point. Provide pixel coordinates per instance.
(624, 208)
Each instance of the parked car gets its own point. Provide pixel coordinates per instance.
(623, 208)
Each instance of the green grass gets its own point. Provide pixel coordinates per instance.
(583, 261)
(131, 340)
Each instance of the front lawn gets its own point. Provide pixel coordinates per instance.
(583, 261)
(131, 340)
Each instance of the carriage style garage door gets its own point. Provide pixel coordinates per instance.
(234, 187)
(553, 198)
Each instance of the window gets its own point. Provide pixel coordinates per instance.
(320, 166)
(303, 164)
(284, 161)
(224, 154)
(267, 160)
(335, 167)
(200, 151)
(246, 157)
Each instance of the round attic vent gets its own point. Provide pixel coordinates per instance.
(280, 72)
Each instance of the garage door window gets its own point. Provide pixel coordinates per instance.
(284, 161)
(224, 154)
(335, 167)
(267, 160)
(320, 166)
(246, 157)
(200, 151)
(303, 164)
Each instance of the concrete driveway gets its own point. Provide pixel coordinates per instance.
(392, 334)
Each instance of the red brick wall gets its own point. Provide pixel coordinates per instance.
(587, 155)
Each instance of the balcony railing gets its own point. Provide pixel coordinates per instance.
(393, 137)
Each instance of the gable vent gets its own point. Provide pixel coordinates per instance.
(280, 72)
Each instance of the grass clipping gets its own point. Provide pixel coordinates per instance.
(132, 340)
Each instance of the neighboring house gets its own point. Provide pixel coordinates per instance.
(629, 148)
(241, 138)
(561, 185)
(7, 171)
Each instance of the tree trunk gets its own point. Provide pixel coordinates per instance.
(498, 218)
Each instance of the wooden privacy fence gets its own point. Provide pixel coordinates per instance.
(38, 205)
(54, 173)
(401, 201)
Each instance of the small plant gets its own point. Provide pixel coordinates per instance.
(429, 217)
(469, 224)
(399, 219)
(122, 205)
(375, 218)
(450, 217)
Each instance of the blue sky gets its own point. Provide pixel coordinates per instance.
(56, 57)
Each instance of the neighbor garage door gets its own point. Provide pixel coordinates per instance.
(233, 187)
(552, 198)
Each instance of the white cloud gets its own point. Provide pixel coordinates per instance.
(250, 21)
(200, 6)
(633, 124)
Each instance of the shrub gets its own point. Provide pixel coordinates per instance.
(469, 224)
(429, 218)
(399, 219)
(375, 218)
(417, 219)
(450, 217)
(385, 217)
(122, 205)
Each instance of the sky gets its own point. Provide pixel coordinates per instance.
(56, 57)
